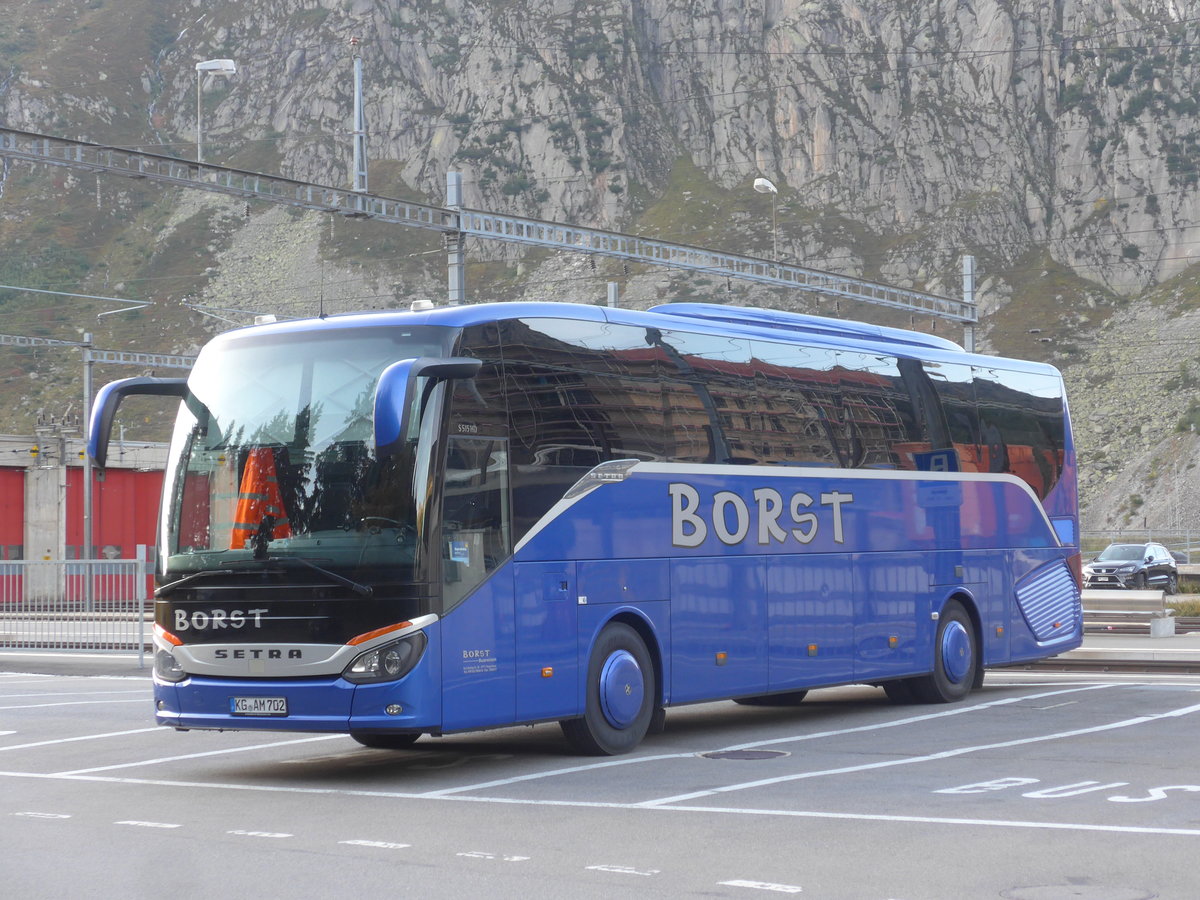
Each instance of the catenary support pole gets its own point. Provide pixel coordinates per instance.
(360, 124)
(85, 551)
(456, 262)
(968, 269)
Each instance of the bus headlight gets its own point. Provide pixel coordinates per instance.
(167, 667)
(387, 662)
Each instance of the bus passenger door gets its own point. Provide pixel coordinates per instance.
(478, 652)
(547, 640)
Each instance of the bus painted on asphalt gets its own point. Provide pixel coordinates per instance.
(405, 523)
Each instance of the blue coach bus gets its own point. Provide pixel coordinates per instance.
(405, 523)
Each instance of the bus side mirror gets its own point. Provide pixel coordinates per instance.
(104, 409)
(396, 398)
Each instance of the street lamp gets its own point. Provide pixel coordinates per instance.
(763, 186)
(216, 67)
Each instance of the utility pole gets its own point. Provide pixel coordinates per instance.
(968, 270)
(456, 262)
(360, 124)
(86, 550)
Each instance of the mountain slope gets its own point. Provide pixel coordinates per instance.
(1053, 141)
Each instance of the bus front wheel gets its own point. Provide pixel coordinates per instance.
(621, 695)
(384, 741)
(955, 659)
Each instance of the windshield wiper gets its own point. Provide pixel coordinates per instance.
(172, 586)
(363, 590)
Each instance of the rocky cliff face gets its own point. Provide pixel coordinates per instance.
(1055, 141)
(999, 127)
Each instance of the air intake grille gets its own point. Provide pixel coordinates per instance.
(1049, 601)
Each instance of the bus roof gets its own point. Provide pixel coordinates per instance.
(749, 322)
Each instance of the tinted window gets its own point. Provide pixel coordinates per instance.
(798, 397)
(724, 405)
(1021, 425)
(478, 404)
(879, 420)
(579, 393)
(955, 388)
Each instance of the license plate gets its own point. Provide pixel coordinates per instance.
(258, 706)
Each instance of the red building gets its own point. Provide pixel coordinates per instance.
(41, 498)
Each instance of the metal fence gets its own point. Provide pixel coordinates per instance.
(1182, 542)
(79, 604)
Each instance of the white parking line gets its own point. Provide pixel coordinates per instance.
(936, 820)
(222, 752)
(625, 870)
(82, 737)
(261, 834)
(632, 807)
(637, 760)
(570, 770)
(143, 699)
(765, 886)
(930, 757)
(146, 693)
(927, 717)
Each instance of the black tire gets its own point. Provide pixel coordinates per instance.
(788, 698)
(622, 695)
(955, 659)
(899, 691)
(383, 741)
(1172, 583)
(1139, 581)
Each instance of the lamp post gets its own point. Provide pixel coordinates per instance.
(216, 67)
(763, 186)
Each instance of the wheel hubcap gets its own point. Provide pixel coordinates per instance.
(956, 652)
(621, 689)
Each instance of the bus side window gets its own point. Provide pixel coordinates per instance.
(955, 388)
(1020, 423)
(797, 399)
(879, 418)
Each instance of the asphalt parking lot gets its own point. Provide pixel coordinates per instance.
(1036, 786)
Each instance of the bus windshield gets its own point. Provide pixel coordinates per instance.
(273, 459)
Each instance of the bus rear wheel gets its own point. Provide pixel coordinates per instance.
(955, 659)
(381, 741)
(621, 695)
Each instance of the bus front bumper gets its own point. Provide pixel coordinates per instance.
(311, 704)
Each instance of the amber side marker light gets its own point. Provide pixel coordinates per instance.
(378, 632)
(167, 636)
